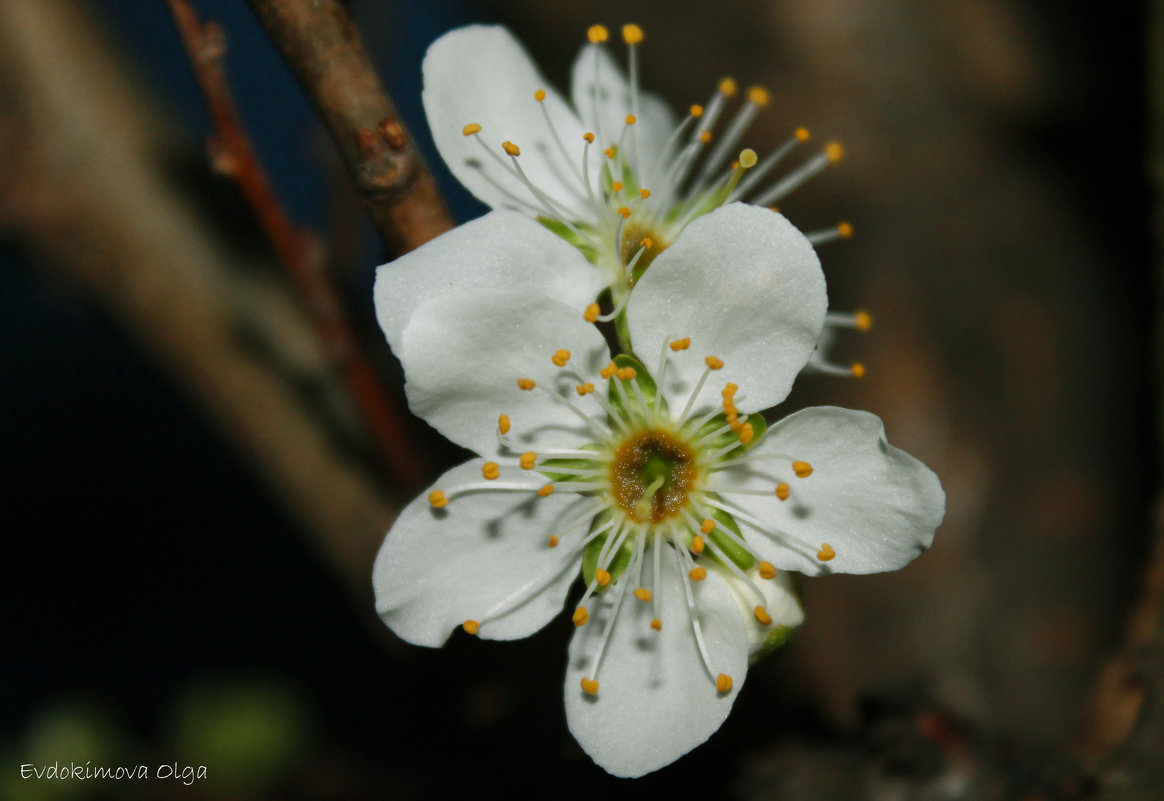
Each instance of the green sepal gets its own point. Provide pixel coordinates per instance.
(726, 545)
(585, 246)
(729, 436)
(546, 468)
(643, 378)
(618, 564)
(777, 638)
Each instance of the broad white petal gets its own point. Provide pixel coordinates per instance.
(604, 105)
(463, 354)
(655, 700)
(875, 505)
(502, 250)
(483, 557)
(746, 287)
(781, 602)
(481, 74)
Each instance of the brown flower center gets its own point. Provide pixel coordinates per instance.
(651, 475)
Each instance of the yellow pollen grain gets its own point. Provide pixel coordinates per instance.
(560, 357)
(696, 111)
(681, 344)
(759, 95)
(491, 470)
(748, 158)
(858, 370)
(632, 34)
(707, 526)
(553, 541)
(584, 389)
(503, 423)
(528, 460)
(762, 615)
(698, 573)
(782, 491)
(802, 469)
(546, 491)
(834, 151)
(864, 321)
(608, 370)
(646, 243)
(845, 229)
(643, 594)
(590, 686)
(627, 373)
(714, 362)
(826, 553)
(767, 570)
(644, 194)
(471, 626)
(723, 683)
(589, 137)
(697, 545)
(602, 577)
(747, 433)
(438, 499)
(591, 313)
(540, 95)
(657, 624)
(624, 211)
(631, 119)
(597, 33)
(580, 616)
(727, 87)
(616, 186)
(471, 129)
(526, 383)
(511, 148)
(705, 136)
(608, 152)
(802, 135)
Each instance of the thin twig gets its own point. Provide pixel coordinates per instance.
(299, 251)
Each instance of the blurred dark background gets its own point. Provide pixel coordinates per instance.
(162, 603)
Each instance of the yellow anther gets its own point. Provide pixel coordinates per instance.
(597, 33)
(759, 95)
(584, 389)
(627, 373)
(528, 460)
(727, 87)
(491, 470)
(864, 320)
(735, 165)
(589, 137)
(723, 683)
(624, 211)
(748, 158)
(643, 594)
(714, 362)
(546, 491)
(858, 370)
(845, 229)
(526, 383)
(560, 357)
(696, 111)
(681, 344)
(503, 423)
(646, 243)
(438, 499)
(608, 370)
(644, 194)
(657, 624)
(697, 545)
(782, 491)
(553, 541)
(767, 570)
(511, 148)
(729, 390)
(747, 433)
(762, 615)
(705, 136)
(826, 553)
(834, 151)
(632, 34)
(591, 313)
(540, 95)
(602, 577)
(707, 526)
(802, 134)
(608, 152)
(471, 129)
(698, 573)
(471, 626)
(580, 616)
(630, 119)
(590, 686)
(616, 186)
(802, 469)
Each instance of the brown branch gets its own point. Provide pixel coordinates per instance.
(324, 50)
(299, 251)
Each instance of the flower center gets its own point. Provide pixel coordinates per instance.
(635, 236)
(651, 476)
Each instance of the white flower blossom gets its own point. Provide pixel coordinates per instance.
(638, 472)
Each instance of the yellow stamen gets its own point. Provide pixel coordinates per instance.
(526, 383)
(644, 194)
(438, 499)
(782, 491)
(528, 460)
(609, 152)
(802, 469)
(696, 111)
(723, 683)
(627, 373)
(714, 362)
(729, 390)
(589, 137)
(727, 87)
(643, 594)
(608, 370)
(802, 134)
(616, 186)
(471, 626)
(491, 470)
(762, 615)
(511, 148)
(697, 545)
(681, 344)
(858, 370)
(845, 229)
(826, 553)
(707, 526)
(546, 491)
(630, 119)
(747, 433)
(748, 158)
(503, 423)
(705, 136)
(864, 321)
(646, 243)
(834, 151)
(767, 570)
(698, 573)
(759, 95)
(632, 34)
(584, 389)
(580, 616)
(602, 577)
(657, 624)
(540, 95)
(471, 129)
(590, 686)
(597, 33)
(624, 211)
(553, 541)
(560, 357)
(591, 313)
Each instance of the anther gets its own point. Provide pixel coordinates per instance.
(528, 460)
(602, 577)
(597, 33)
(782, 491)
(767, 570)
(546, 491)
(589, 137)
(705, 136)
(707, 526)
(646, 243)
(643, 594)
(748, 158)
(526, 383)
(657, 624)
(584, 389)
(727, 87)
(631, 119)
(511, 148)
(560, 357)
(591, 313)
(762, 615)
(553, 541)
(845, 229)
(729, 390)
(616, 186)
(681, 344)
(624, 211)
(580, 616)
(632, 34)
(644, 194)
(438, 499)
(698, 573)
(802, 135)
(608, 370)
(696, 111)
(863, 320)
(589, 686)
(834, 151)
(471, 129)
(747, 433)
(503, 423)
(627, 373)
(858, 370)
(491, 470)
(540, 95)
(608, 152)
(826, 553)
(714, 363)
(697, 546)
(802, 469)
(759, 95)
(723, 683)
(471, 626)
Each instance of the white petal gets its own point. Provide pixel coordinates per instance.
(874, 504)
(502, 250)
(746, 287)
(655, 700)
(484, 554)
(463, 354)
(605, 104)
(481, 74)
(781, 602)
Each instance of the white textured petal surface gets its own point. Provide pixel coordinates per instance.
(781, 602)
(745, 286)
(502, 250)
(481, 555)
(463, 354)
(603, 106)
(655, 700)
(876, 505)
(481, 74)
